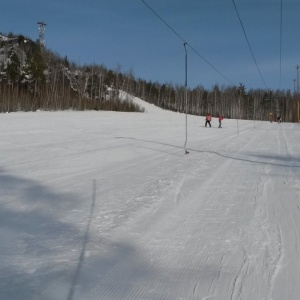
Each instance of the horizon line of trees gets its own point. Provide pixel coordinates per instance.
(34, 77)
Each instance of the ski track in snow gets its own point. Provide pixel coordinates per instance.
(103, 205)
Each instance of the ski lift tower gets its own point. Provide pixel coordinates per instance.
(42, 26)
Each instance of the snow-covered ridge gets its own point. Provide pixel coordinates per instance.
(143, 104)
(3, 38)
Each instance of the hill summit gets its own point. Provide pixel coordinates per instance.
(33, 77)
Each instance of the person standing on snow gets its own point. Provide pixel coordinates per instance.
(220, 121)
(278, 119)
(207, 120)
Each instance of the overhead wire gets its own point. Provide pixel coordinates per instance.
(175, 32)
(249, 44)
(185, 42)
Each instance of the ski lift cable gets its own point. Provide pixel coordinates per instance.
(186, 43)
(249, 44)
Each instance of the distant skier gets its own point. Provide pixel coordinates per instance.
(207, 120)
(278, 119)
(220, 121)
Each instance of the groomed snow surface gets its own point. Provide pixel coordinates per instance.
(105, 205)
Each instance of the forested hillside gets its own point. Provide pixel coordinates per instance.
(32, 77)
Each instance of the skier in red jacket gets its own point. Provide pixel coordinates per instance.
(207, 120)
(220, 121)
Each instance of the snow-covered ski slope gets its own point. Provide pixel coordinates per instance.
(105, 205)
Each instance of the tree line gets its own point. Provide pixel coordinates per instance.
(33, 77)
(229, 101)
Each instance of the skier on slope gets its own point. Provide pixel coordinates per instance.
(278, 119)
(220, 121)
(207, 120)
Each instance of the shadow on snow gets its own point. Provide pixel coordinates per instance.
(43, 254)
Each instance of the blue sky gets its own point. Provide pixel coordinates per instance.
(125, 35)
